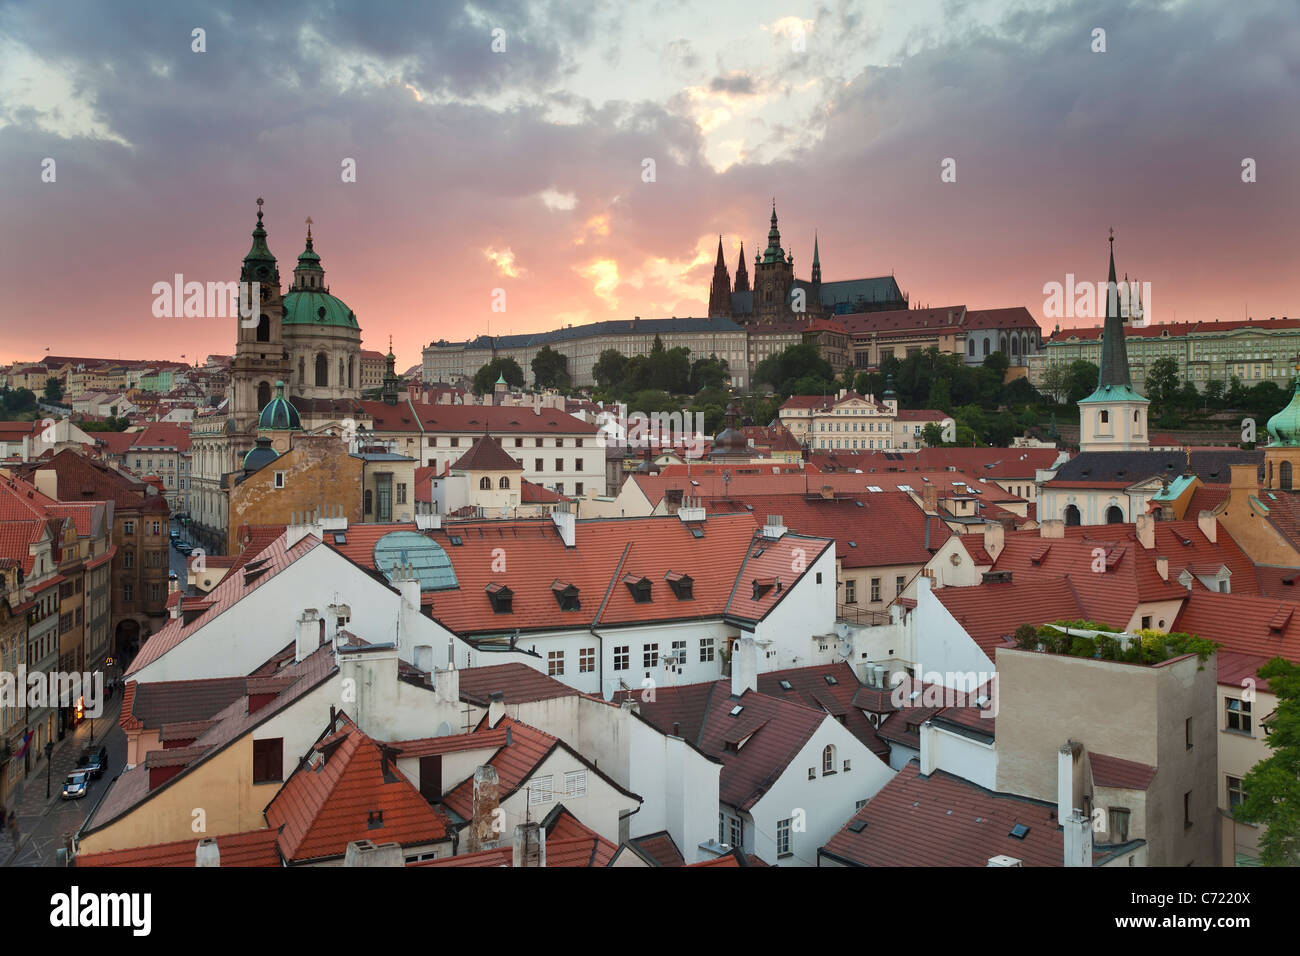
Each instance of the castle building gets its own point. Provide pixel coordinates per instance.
(778, 296)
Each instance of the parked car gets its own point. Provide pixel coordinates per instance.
(75, 787)
(94, 763)
(185, 549)
(174, 535)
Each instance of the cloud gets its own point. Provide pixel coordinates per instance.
(735, 83)
(557, 201)
(504, 260)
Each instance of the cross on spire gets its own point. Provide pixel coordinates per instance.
(260, 201)
(309, 227)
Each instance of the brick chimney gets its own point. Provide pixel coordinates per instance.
(483, 832)
(930, 498)
(529, 845)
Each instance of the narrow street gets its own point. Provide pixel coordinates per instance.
(45, 825)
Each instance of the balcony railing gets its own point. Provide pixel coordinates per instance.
(865, 617)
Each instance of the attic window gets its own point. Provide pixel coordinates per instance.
(566, 595)
(735, 711)
(682, 585)
(639, 586)
(455, 539)
(857, 826)
(1019, 831)
(786, 685)
(697, 532)
(340, 537)
(502, 598)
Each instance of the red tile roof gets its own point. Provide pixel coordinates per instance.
(1108, 771)
(943, 820)
(568, 844)
(658, 849)
(486, 454)
(253, 848)
(330, 801)
(810, 685)
(1246, 625)
(515, 763)
(518, 682)
(474, 419)
(991, 612)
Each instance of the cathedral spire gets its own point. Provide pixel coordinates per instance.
(742, 275)
(773, 251)
(720, 289)
(817, 262)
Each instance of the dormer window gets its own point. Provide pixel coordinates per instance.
(566, 595)
(762, 586)
(682, 584)
(501, 597)
(639, 586)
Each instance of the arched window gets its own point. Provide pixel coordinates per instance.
(828, 759)
(340, 371)
(1071, 516)
(1103, 418)
(302, 370)
(263, 328)
(1284, 473)
(322, 370)
(1135, 416)
(263, 395)
(1015, 345)
(970, 348)
(1002, 343)
(504, 482)
(351, 362)
(485, 483)
(986, 348)
(1270, 474)
(1114, 515)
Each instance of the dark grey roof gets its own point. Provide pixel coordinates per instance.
(879, 289)
(613, 327)
(742, 303)
(1210, 465)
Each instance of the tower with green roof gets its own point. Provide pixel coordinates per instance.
(1114, 416)
(260, 358)
(1282, 453)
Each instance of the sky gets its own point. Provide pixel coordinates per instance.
(524, 168)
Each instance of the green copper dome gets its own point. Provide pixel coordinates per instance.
(261, 456)
(279, 415)
(1284, 427)
(309, 307)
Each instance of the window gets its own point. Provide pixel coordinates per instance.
(128, 559)
(850, 592)
(1187, 732)
(679, 652)
(828, 760)
(706, 650)
(1235, 793)
(155, 592)
(401, 492)
(1118, 822)
(575, 783)
(1187, 809)
(128, 592)
(268, 760)
(783, 838)
(722, 824)
(577, 464)
(504, 483)
(586, 660)
(128, 527)
(875, 590)
(812, 773)
(369, 500)
(555, 663)
(279, 479)
(899, 582)
(559, 464)
(1238, 715)
(485, 483)
(736, 833)
(859, 804)
(577, 488)
(540, 791)
(650, 655)
(539, 464)
(538, 443)
(622, 657)
(847, 766)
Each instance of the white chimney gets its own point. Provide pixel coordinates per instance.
(1162, 567)
(1146, 530)
(775, 526)
(995, 538)
(1068, 779)
(496, 708)
(1052, 528)
(1078, 839)
(691, 509)
(566, 523)
(308, 634)
(446, 684)
(365, 853)
(207, 853)
(744, 666)
(1209, 526)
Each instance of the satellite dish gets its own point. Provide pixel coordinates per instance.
(444, 729)
(846, 648)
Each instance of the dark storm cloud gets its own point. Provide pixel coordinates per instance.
(738, 84)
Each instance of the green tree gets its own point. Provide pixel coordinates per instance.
(1214, 393)
(20, 400)
(759, 409)
(1162, 381)
(1082, 377)
(940, 395)
(1272, 786)
(711, 372)
(610, 369)
(1056, 382)
(798, 362)
(998, 363)
(933, 434)
(485, 379)
(53, 390)
(550, 368)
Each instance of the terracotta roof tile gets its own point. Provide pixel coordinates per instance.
(253, 848)
(1108, 771)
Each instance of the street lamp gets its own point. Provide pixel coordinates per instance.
(49, 749)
